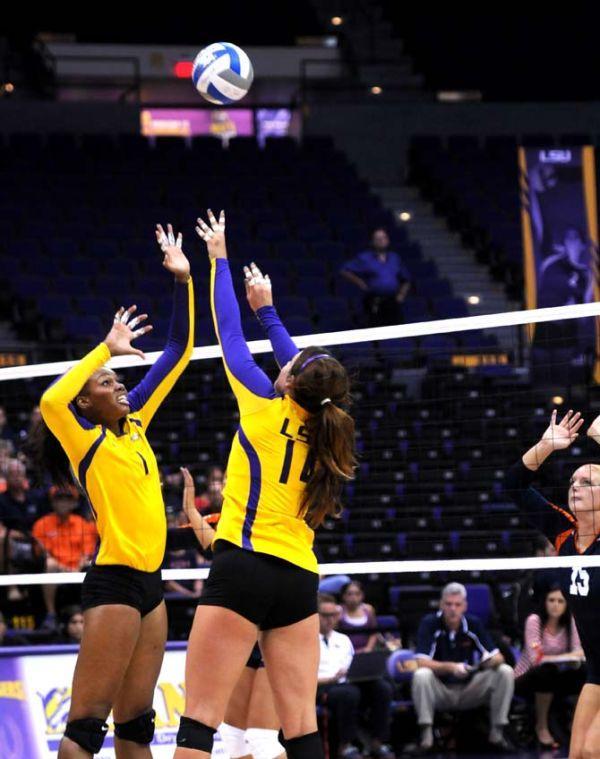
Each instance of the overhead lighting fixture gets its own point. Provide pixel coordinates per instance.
(8, 88)
(337, 21)
(458, 96)
(376, 90)
(404, 216)
(557, 400)
(474, 300)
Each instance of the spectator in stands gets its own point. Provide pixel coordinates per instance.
(211, 501)
(459, 669)
(551, 659)
(6, 453)
(7, 450)
(381, 275)
(68, 540)
(6, 433)
(35, 418)
(71, 625)
(355, 616)
(18, 508)
(343, 699)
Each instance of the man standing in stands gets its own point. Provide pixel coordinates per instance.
(383, 278)
(459, 669)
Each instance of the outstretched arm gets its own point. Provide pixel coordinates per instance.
(201, 526)
(147, 396)
(251, 386)
(542, 513)
(259, 292)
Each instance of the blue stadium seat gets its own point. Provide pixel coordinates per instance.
(85, 327)
(293, 306)
(479, 598)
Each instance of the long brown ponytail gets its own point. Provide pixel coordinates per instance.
(322, 387)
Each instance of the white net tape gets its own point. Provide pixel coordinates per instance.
(348, 337)
(350, 568)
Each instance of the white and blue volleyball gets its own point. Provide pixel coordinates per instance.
(222, 73)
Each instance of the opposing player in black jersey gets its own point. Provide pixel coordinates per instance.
(574, 531)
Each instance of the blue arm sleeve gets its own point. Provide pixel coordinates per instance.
(284, 347)
(147, 396)
(248, 382)
(540, 512)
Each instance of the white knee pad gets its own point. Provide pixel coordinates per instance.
(263, 744)
(234, 740)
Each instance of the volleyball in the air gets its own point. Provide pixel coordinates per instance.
(222, 73)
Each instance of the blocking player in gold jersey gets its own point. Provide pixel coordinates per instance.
(95, 429)
(293, 450)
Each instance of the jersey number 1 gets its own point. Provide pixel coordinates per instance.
(580, 582)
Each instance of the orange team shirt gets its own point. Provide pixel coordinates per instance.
(69, 540)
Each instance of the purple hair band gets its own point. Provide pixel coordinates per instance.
(313, 358)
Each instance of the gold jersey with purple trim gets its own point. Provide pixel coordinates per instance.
(268, 464)
(119, 473)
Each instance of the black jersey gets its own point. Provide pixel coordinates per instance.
(580, 585)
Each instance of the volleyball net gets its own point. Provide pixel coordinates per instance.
(442, 408)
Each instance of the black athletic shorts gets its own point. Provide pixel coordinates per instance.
(266, 590)
(117, 584)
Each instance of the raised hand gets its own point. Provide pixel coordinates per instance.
(213, 235)
(259, 291)
(124, 331)
(189, 494)
(174, 259)
(561, 435)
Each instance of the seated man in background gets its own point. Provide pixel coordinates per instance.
(68, 540)
(459, 669)
(342, 698)
(383, 278)
(19, 508)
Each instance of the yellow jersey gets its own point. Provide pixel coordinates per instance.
(119, 473)
(268, 464)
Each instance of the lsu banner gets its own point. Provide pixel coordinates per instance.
(560, 241)
(35, 694)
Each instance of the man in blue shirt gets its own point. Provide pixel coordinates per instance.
(459, 669)
(383, 278)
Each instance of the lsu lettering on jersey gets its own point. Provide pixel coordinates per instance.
(267, 468)
(119, 473)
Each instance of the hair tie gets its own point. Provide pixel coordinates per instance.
(325, 401)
